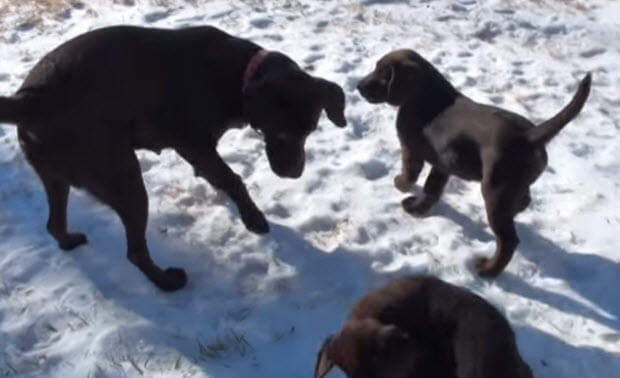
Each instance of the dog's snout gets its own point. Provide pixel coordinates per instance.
(361, 84)
(371, 89)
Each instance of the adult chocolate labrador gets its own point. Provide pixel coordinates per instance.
(88, 104)
(458, 136)
(423, 327)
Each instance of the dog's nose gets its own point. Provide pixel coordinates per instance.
(360, 85)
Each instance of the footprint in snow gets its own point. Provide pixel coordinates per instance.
(550, 82)
(261, 23)
(346, 67)
(552, 30)
(156, 16)
(311, 59)
(580, 149)
(373, 169)
(593, 52)
(64, 15)
(611, 337)
(26, 26)
(489, 31)
(505, 11)
(497, 99)
(279, 211)
(322, 24)
(459, 8)
(457, 69)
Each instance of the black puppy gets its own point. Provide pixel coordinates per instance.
(87, 105)
(458, 136)
(423, 327)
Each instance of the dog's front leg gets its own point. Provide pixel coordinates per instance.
(209, 165)
(433, 188)
(410, 169)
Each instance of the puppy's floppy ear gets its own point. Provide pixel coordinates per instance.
(402, 80)
(333, 103)
(323, 363)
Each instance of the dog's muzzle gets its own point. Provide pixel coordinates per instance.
(285, 160)
(371, 91)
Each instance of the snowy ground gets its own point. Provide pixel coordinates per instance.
(260, 306)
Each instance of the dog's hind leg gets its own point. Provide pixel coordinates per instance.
(433, 188)
(500, 213)
(57, 197)
(119, 184)
(56, 189)
(410, 170)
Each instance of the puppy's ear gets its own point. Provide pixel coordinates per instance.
(323, 363)
(402, 80)
(333, 103)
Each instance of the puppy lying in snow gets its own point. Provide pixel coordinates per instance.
(457, 136)
(423, 327)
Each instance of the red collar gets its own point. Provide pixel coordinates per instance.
(252, 67)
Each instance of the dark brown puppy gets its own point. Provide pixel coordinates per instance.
(460, 137)
(423, 327)
(87, 105)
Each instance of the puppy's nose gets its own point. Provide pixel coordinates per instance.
(361, 86)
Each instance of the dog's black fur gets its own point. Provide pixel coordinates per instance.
(457, 136)
(87, 105)
(423, 327)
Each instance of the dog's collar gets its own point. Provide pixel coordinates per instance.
(252, 67)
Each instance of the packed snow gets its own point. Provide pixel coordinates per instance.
(260, 306)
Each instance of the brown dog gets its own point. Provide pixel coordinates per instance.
(423, 327)
(458, 136)
(87, 105)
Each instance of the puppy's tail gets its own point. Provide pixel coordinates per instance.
(548, 129)
(11, 110)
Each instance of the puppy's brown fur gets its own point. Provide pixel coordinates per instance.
(457, 136)
(423, 327)
(87, 105)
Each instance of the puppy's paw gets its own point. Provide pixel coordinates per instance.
(401, 183)
(255, 221)
(173, 279)
(416, 206)
(72, 241)
(487, 268)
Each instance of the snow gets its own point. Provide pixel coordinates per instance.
(261, 306)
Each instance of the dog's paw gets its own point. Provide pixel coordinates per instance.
(72, 240)
(255, 221)
(173, 279)
(401, 183)
(416, 206)
(487, 268)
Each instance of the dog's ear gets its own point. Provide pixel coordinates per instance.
(323, 363)
(333, 103)
(402, 80)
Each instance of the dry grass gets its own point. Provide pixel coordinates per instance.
(43, 5)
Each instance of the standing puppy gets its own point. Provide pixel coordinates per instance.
(88, 104)
(458, 136)
(422, 327)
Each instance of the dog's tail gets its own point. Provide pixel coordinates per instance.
(548, 129)
(11, 109)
